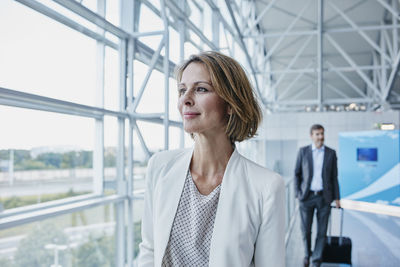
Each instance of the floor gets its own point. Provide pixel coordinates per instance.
(375, 239)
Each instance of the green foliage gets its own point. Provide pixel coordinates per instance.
(32, 252)
(51, 160)
(109, 159)
(137, 228)
(97, 252)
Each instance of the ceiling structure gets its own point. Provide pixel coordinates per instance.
(321, 55)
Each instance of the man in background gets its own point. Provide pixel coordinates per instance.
(316, 186)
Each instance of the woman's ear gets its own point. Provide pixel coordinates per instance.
(229, 110)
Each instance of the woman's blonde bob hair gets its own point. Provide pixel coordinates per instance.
(230, 82)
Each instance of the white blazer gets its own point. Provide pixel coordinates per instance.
(249, 227)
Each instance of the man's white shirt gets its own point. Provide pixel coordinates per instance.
(318, 161)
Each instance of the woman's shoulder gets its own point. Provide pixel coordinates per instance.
(171, 154)
(166, 157)
(262, 176)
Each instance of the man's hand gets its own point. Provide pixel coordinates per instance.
(337, 202)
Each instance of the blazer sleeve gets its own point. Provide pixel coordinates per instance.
(270, 243)
(336, 193)
(146, 247)
(298, 174)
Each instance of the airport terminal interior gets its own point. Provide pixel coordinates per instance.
(88, 94)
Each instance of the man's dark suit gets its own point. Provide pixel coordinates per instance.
(309, 202)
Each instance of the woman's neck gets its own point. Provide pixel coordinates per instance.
(210, 156)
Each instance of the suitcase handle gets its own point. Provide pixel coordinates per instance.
(341, 225)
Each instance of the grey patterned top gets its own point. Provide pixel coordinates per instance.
(190, 238)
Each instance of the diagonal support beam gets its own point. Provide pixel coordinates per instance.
(389, 84)
(262, 14)
(292, 24)
(294, 81)
(141, 140)
(294, 59)
(152, 64)
(303, 90)
(387, 41)
(354, 26)
(353, 64)
(336, 90)
(389, 8)
(347, 80)
(345, 11)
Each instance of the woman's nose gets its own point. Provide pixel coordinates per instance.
(187, 98)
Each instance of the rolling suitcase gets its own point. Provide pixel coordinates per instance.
(337, 249)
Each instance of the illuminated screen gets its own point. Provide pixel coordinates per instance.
(367, 154)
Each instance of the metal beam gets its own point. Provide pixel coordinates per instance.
(299, 102)
(166, 76)
(289, 28)
(337, 91)
(67, 21)
(142, 142)
(395, 35)
(152, 64)
(353, 64)
(98, 151)
(293, 82)
(320, 51)
(347, 80)
(228, 27)
(386, 39)
(259, 17)
(93, 17)
(354, 26)
(389, 84)
(285, 11)
(341, 101)
(294, 59)
(280, 32)
(389, 8)
(174, 8)
(327, 21)
(51, 212)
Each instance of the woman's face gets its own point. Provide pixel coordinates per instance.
(202, 110)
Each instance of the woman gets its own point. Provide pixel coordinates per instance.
(208, 205)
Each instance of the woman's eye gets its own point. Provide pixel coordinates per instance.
(202, 89)
(181, 91)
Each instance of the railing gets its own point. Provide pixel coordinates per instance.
(291, 207)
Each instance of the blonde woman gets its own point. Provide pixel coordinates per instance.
(209, 205)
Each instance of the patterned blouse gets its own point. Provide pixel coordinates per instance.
(190, 238)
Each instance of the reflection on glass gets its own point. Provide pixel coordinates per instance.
(39, 163)
(85, 238)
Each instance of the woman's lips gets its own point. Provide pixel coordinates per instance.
(190, 115)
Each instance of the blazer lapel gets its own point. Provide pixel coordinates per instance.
(168, 192)
(311, 164)
(220, 236)
(326, 156)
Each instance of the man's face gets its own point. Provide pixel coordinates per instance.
(317, 136)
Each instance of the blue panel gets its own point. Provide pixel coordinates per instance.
(369, 168)
(367, 154)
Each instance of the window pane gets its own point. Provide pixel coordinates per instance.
(41, 56)
(84, 238)
(43, 156)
